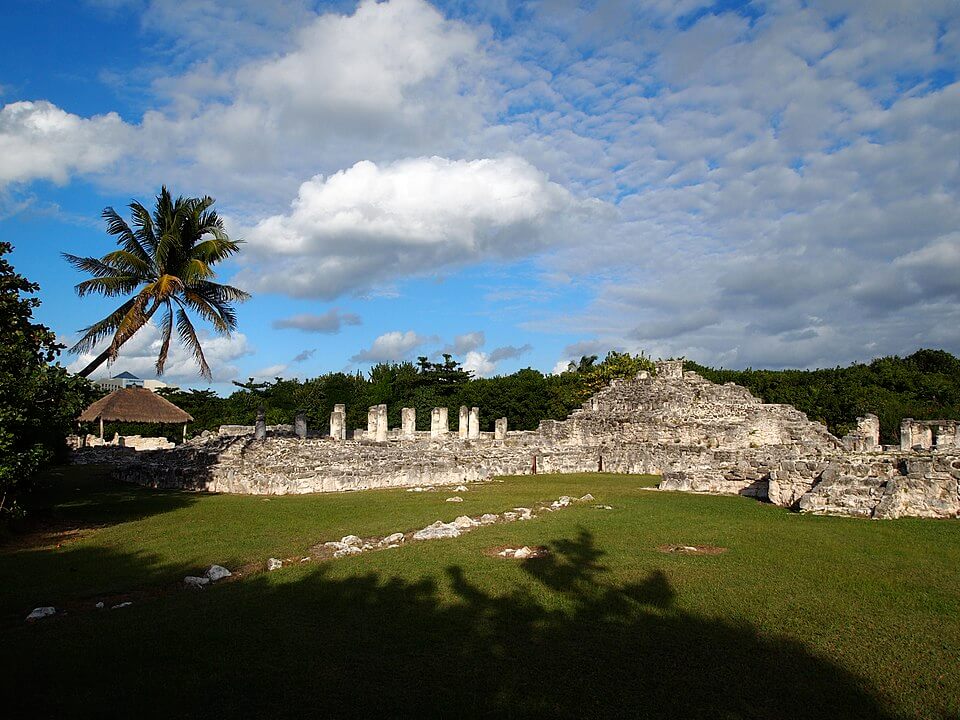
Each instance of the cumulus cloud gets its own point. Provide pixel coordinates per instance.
(462, 344)
(329, 322)
(479, 364)
(38, 140)
(370, 224)
(139, 356)
(391, 347)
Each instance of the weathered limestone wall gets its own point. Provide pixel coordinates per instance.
(699, 436)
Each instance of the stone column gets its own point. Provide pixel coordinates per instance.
(381, 423)
(439, 424)
(463, 427)
(473, 424)
(500, 429)
(372, 414)
(338, 424)
(300, 425)
(409, 416)
(906, 433)
(260, 427)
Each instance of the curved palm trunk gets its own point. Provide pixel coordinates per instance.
(105, 355)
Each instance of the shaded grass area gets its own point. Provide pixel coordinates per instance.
(800, 617)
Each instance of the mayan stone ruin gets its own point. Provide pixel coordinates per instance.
(700, 436)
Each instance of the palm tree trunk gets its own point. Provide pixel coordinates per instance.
(105, 355)
(95, 363)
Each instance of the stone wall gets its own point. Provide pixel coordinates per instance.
(699, 436)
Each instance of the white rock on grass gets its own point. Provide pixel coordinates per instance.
(350, 540)
(191, 581)
(603, 507)
(393, 539)
(463, 522)
(217, 572)
(562, 502)
(587, 498)
(455, 499)
(460, 488)
(41, 612)
(121, 605)
(508, 552)
(523, 553)
(349, 550)
(437, 531)
(100, 605)
(336, 545)
(525, 513)
(510, 516)
(488, 519)
(274, 564)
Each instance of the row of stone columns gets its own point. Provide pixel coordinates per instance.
(469, 425)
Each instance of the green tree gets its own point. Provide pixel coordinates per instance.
(38, 401)
(166, 260)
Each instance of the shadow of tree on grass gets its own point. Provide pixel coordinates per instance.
(370, 646)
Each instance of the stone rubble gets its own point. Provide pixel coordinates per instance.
(454, 499)
(121, 605)
(192, 581)
(274, 564)
(217, 572)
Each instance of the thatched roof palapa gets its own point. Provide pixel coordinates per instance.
(135, 404)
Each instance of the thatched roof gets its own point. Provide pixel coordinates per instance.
(135, 404)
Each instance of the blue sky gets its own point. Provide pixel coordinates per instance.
(766, 184)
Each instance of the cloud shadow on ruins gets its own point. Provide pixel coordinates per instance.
(371, 645)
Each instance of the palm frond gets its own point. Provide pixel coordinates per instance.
(93, 266)
(143, 224)
(222, 317)
(188, 335)
(108, 286)
(93, 334)
(166, 330)
(126, 238)
(130, 262)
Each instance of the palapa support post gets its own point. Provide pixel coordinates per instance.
(101, 427)
(184, 432)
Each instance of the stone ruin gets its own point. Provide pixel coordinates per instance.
(699, 436)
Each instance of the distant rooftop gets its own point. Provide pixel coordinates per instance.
(125, 376)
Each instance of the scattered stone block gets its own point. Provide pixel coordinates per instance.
(192, 581)
(217, 572)
(274, 564)
(41, 612)
(438, 531)
(454, 499)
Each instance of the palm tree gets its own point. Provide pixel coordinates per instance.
(167, 260)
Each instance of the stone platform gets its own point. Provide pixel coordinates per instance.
(698, 435)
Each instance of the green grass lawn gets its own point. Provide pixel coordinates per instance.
(800, 617)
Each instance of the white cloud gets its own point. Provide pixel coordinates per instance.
(370, 224)
(479, 363)
(38, 140)
(390, 347)
(139, 356)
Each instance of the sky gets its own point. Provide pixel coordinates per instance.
(519, 183)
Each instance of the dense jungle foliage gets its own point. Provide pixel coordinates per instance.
(38, 398)
(925, 385)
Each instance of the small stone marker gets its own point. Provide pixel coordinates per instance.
(41, 612)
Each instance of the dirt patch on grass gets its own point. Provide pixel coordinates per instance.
(691, 549)
(508, 552)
